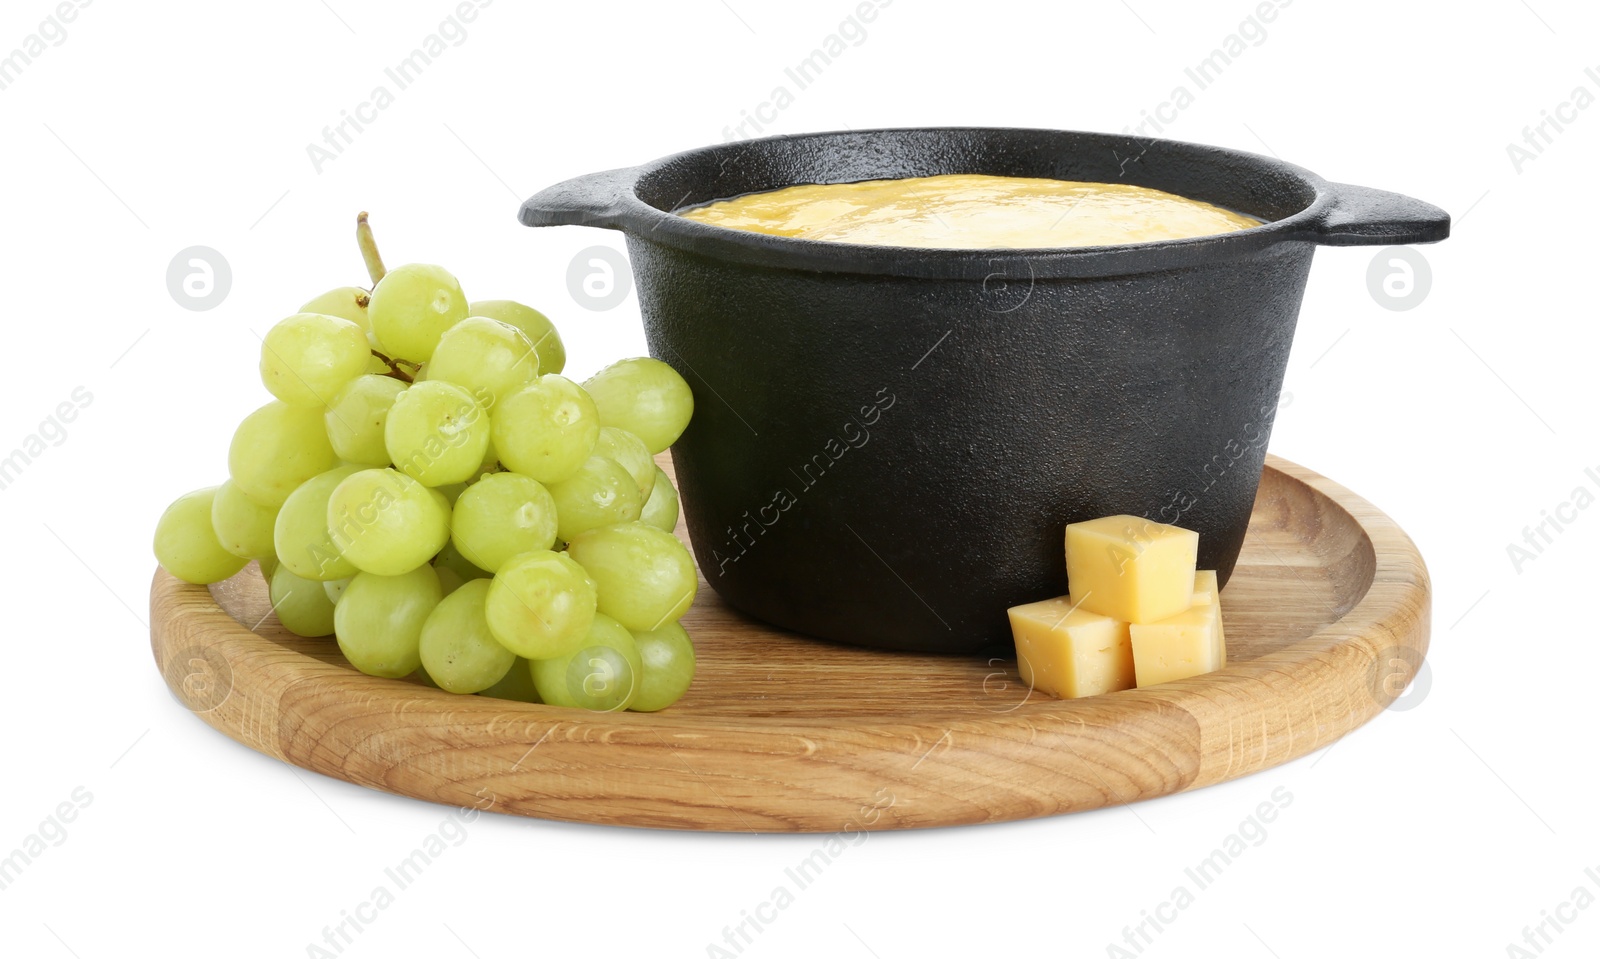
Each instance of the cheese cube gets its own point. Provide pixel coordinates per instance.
(1207, 593)
(1069, 652)
(1177, 647)
(1130, 568)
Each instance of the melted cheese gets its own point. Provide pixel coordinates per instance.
(970, 211)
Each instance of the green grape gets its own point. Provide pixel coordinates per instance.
(645, 579)
(387, 523)
(356, 417)
(629, 452)
(436, 433)
(243, 526)
(186, 543)
(301, 537)
(303, 607)
(269, 565)
(644, 396)
(546, 429)
(517, 685)
(411, 308)
(379, 620)
(450, 556)
(600, 493)
(350, 303)
(661, 509)
(307, 357)
(541, 604)
(345, 302)
(603, 674)
(668, 656)
(458, 651)
(277, 448)
(485, 357)
(500, 516)
(533, 324)
(334, 588)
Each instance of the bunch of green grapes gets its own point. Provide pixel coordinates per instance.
(428, 488)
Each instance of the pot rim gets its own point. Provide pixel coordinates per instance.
(1336, 214)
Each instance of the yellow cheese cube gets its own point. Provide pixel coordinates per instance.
(1207, 593)
(1130, 568)
(1177, 647)
(1070, 652)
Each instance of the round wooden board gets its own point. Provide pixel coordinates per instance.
(1327, 619)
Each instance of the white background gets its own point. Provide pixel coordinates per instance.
(1444, 829)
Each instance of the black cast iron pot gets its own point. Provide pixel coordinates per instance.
(888, 441)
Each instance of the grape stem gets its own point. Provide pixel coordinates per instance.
(369, 248)
(394, 368)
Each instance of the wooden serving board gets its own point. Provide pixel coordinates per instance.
(1327, 620)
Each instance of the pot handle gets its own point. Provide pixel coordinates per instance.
(595, 199)
(1362, 216)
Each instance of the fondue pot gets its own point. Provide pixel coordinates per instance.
(887, 442)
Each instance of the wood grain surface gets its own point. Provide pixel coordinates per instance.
(1327, 618)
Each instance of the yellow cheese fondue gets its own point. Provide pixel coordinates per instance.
(972, 211)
